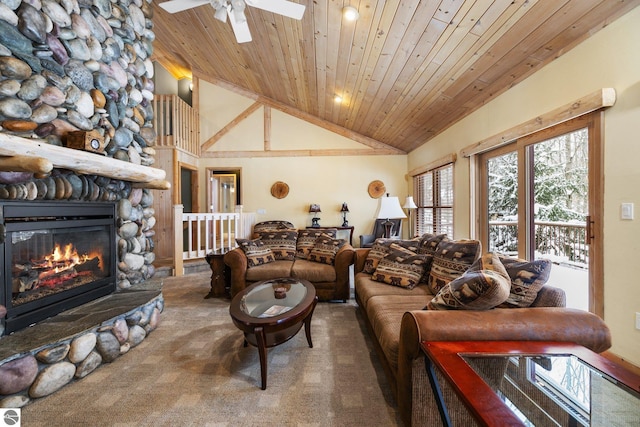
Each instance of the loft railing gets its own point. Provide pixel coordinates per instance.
(565, 240)
(199, 234)
(176, 123)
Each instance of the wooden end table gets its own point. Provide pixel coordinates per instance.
(347, 229)
(220, 274)
(268, 321)
(546, 383)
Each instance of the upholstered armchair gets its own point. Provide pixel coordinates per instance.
(366, 240)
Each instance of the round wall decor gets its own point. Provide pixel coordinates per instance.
(279, 190)
(376, 189)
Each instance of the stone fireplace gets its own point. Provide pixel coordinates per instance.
(70, 67)
(54, 256)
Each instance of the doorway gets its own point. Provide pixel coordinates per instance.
(223, 193)
(539, 198)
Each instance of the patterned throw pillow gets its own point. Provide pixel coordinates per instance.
(401, 267)
(272, 225)
(381, 247)
(256, 251)
(325, 249)
(281, 242)
(483, 286)
(451, 260)
(429, 243)
(307, 238)
(527, 278)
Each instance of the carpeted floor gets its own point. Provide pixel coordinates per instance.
(194, 371)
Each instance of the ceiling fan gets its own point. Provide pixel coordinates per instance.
(235, 10)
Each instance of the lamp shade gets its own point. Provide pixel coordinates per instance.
(314, 208)
(390, 208)
(344, 207)
(409, 203)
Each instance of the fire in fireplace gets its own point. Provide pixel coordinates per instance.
(55, 256)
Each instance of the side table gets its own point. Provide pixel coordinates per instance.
(220, 274)
(538, 382)
(348, 229)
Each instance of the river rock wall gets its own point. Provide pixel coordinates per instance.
(83, 65)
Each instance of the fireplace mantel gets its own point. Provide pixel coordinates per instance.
(33, 155)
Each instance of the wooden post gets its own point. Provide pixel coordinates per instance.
(178, 265)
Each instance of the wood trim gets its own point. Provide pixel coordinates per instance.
(602, 98)
(297, 153)
(332, 127)
(267, 128)
(233, 123)
(445, 160)
(79, 161)
(596, 214)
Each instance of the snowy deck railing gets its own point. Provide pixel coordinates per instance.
(565, 240)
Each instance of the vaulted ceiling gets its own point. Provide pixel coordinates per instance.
(406, 70)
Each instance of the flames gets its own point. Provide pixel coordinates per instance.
(66, 258)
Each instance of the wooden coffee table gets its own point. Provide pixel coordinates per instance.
(545, 383)
(268, 321)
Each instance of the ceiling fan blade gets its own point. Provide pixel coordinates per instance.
(281, 7)
(240, 29)
(175, 6)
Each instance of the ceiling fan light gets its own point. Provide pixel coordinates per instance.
(350, 13)
(221, 14)
(237, 6)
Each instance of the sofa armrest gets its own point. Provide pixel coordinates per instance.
(366, 240)
(360, 258)
(236, 260)
(511, 324)
(342, 263)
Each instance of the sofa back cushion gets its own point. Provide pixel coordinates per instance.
(401, 267)
(307, 238)
(281, 242)
(451, 259)
(483, 286)
(256, 252)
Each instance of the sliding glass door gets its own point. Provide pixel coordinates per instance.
(539, 198)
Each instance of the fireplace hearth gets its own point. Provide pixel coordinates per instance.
(55, 256)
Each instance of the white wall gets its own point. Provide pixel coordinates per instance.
(610, 58)
(326, 180)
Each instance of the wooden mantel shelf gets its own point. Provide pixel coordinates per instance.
(33, 155)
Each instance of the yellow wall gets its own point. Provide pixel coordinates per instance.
(326, 180)
(608, 59)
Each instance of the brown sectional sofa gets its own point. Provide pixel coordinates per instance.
(398, 322)
(331, 280)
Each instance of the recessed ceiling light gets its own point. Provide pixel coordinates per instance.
(337, 99)
(350, 13)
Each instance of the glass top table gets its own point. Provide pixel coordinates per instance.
(537, 383)
(262, 300)
(272, 312)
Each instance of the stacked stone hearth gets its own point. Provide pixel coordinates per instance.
(82, 65)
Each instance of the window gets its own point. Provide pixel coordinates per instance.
(433, 191)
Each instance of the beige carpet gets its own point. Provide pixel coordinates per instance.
(194, 371)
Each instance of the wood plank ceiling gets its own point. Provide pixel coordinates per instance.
(406, 70)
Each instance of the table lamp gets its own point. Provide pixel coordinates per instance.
(314, 209)
(344, 209)
(389, 208)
